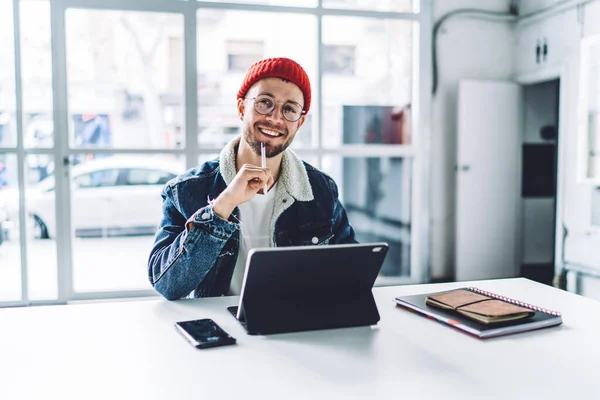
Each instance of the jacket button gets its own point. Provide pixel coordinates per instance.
(205, 215)
(315, 240)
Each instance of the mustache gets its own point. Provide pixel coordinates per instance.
(271, 126)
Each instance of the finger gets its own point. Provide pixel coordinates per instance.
(261, 173)
(259, 180)
(271, 181)
(255, 185)
(252, 172)
(251, 167)
(269, 177)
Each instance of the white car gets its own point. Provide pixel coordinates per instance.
(109, 196)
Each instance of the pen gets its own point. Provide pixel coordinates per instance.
(263, 158)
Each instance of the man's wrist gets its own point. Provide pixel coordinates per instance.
(222, 208)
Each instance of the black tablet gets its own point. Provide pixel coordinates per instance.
(287, 289)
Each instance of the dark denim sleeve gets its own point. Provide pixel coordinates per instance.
(342, 230)
(182, 257)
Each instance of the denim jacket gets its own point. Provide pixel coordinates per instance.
(195, 250)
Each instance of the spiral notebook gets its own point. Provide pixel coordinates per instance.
(541, 318)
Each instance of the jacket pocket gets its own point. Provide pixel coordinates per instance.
(312, 234)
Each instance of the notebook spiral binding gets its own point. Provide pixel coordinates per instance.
(515, 302)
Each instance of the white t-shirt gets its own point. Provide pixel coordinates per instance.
(255, 218)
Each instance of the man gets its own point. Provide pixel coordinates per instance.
(215, 213)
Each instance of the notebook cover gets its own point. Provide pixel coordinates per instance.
(469, 301)
(416, 303)
(458, 297)
(495, 308)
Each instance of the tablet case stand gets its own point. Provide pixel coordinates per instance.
(295, 289)
(321, 311)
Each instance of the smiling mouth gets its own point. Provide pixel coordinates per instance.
(269, 132)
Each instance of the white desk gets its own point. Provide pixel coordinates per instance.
(130, 350)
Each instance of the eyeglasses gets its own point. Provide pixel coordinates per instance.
(265, 104)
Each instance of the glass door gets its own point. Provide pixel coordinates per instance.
(123, 138)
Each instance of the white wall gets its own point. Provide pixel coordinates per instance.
(467, 48)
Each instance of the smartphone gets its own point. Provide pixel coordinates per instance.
(204, 333)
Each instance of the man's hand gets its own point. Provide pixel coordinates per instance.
(249, 180)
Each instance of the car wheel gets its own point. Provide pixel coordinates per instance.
(40, 230)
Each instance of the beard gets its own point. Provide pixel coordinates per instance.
(270, 150)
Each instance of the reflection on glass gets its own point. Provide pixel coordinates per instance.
(228, 43)
(367, 80)
(376, 193)
(376, 125)
(374, 5)
(10, 249)
(116, 204)
(125, 79)
(7, 77)
(36, 69)
(41, 232)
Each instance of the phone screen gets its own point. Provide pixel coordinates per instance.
(204, 333)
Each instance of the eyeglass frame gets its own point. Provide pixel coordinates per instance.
(275, 101)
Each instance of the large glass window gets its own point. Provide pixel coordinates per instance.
(122, 132)
(116, 204)
(10, 249)
(8, 133)
(41, 227)
(126, 91)
(377, 193)
(125, 81)
(36, 69)
(37, 131)
(367, 81)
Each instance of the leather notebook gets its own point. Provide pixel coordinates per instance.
(478, 306)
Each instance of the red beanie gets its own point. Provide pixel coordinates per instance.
(278, 68)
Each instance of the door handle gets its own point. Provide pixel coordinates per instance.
(463, 168)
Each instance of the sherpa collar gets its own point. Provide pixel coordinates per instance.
(293, 178)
